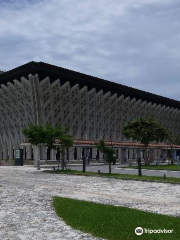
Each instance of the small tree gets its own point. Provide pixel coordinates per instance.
(47, 135)
(172, 139)
(35, 134)
(66, 141)
(145, 130)
(108, 153)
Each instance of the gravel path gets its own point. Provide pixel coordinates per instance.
(26, 211)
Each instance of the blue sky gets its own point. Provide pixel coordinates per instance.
(133, 42)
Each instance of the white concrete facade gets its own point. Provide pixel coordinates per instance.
(89, 113)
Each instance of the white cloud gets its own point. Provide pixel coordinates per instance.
(134, 42)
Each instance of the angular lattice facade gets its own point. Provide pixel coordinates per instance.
(92, 108)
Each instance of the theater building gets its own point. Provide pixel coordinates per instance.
(92, 108)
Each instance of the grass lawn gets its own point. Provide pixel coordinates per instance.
(114, 223)
(117, 175)
(171, 167)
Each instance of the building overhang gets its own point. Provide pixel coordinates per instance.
(131, 145)
(54, 73)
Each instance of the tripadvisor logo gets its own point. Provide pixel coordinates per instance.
(139, 231)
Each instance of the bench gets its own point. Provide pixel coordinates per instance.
(49, 166)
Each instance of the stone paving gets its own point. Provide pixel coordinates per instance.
(26, 211)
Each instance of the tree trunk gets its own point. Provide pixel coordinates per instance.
(58, 164)
(63, 164)
(109, 167)
(139, 167)
(172, 162)
(139, 163)
(145, 155)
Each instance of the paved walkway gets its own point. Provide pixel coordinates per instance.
(26, 211)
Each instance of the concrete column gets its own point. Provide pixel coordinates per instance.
(125, 155)
(116, 154)
(71, 153)
(159, 153)
(100, 155)
(135, 154)
(1, 153)
(120, 155)
(130, 156)
(150, 155)
(28, 152)
(5, 152)
(166, 154)
(130, 153)
(11, 151)
(65, 154)
(156, 158)
(138, 154)
(79, 153)
(43, 152)
(94, 152)
(36, 151)
(86, 155)
(63, 157)
(142, 154)
(174, 155)
(53, 154)
(162, 155)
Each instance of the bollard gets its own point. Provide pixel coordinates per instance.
(84, 164)
(139, 166)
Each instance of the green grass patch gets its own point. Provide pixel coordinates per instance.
(170, 167)
(118, 176)
(114, 223)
